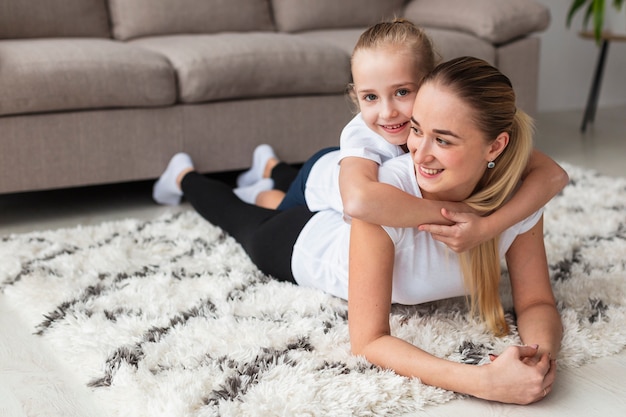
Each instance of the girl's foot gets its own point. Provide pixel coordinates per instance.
(262, 155)
(251, 192)
(166, 189)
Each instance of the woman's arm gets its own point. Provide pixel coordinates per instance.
(538, 320)
(542, 180)
(367, 199)
(509, 379)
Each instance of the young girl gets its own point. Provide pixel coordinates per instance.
(469, 143)
(388, 62)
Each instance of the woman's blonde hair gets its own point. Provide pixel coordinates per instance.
(490, 94)
(402, 34)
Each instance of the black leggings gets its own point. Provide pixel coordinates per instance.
(266, 235)
(283, 175)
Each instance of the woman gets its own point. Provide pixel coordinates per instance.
(469, 143)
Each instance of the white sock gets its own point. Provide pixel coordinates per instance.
(165, 190)
(250, 192)
(262, 154)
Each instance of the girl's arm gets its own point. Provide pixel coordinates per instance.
(542, 180)
(538, 320)
(510, 378)
(367, 199)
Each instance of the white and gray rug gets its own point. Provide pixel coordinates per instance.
(169, 317)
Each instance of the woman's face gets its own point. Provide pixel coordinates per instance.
(449, 152)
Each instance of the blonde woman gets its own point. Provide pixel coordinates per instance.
(470, 144)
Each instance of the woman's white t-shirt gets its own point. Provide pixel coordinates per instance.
(424, 269)
(322, 186)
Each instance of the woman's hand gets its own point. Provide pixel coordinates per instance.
(519, 376)
(468, 230)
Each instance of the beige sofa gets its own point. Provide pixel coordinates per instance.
(105, 91)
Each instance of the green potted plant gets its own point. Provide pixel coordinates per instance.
(594, 9)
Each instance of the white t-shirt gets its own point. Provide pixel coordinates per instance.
(424, 269)
(322, 186)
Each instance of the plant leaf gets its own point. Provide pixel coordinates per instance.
(577, 4)
(598, 19)
(587, 16)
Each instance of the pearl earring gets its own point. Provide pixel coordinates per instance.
(491, 164)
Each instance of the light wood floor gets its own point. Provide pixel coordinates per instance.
(596, 389)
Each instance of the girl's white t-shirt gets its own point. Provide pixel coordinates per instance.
(322, 186)
(424, 269)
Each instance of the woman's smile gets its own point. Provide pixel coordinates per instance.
(429, 172)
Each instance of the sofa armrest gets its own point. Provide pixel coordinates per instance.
(495, 21)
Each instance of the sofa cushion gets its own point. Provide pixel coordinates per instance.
(42, 75)
(299, 15)
(136, 18)
(450, 44)
(256, 64)
(496, 21)
(344, 39)
(41, 19)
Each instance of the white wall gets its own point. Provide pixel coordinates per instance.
(568, 63)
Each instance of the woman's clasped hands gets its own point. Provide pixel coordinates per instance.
(520, 375)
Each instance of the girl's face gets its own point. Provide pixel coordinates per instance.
(385, 83)
(449, 152)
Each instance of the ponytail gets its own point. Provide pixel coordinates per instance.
(490, 94)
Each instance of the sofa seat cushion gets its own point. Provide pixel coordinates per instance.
(301, 15)
(448, 44)
(249, 65)
(41, 75)
(139, 18)
(344, 39)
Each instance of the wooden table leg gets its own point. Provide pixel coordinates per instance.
(594, 93)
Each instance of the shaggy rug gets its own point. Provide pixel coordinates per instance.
(168, 317)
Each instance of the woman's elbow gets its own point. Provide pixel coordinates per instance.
(562, 179)
(365, 345)
(357, 350)
(362, 350)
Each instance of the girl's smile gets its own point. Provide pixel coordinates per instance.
(395, 129)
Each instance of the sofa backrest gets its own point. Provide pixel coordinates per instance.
(138, 18)
(302, 15)
(53, 18)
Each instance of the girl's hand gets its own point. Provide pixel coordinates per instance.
(468, 230)
(519, 376)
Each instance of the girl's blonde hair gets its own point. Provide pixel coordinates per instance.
(402, 34)
(490, 94)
